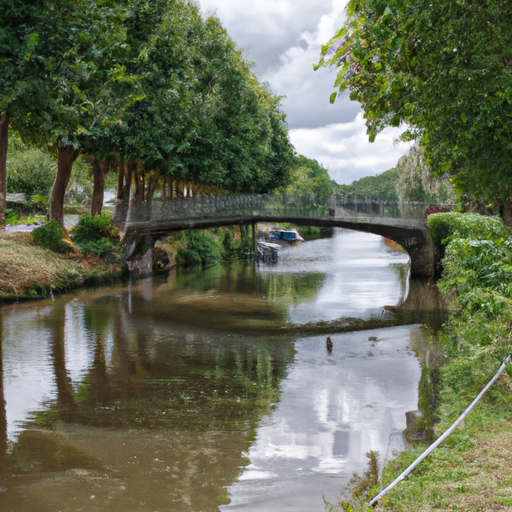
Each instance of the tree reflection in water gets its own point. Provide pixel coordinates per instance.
(3, 412)
(149, 398)
(159, 420)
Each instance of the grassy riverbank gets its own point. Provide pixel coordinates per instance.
(472, 470)
(29, 271)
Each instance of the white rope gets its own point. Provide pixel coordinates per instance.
(434, 445)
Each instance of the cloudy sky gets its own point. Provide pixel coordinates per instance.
(283, 39)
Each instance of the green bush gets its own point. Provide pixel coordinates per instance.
(12, 218)
(465, 225)
(96, 235)
(51, 236)
(91, 228)
(30, 170)
(202, 247)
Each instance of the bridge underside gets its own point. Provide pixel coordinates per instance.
(411, 234)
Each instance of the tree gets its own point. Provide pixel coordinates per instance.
(58, 61)
(443, 69)
(381, 187)
(414, 181)
(309, 178)
(19, 77)
(204, 118)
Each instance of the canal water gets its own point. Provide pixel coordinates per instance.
(195, 391)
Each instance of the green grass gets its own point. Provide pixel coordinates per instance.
(28, 271)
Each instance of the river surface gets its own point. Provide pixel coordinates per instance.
(176, 393)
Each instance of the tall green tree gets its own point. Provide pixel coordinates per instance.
(310, 179)
(442, 68)
(58, 62)
(20, 76)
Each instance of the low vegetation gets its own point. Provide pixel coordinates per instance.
(471, 470)
(39, 264)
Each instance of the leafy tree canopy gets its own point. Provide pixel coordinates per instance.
(309, 178)
(381, 187)
(442, 68)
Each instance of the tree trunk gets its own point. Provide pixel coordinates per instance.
(4, 139)
(121, 185)
(123, 196)
(66, 157)
(138, 211)
(99, 169)
(3, 412)
(152, 184)
(140, 186)
(124, 183)
(506, 212)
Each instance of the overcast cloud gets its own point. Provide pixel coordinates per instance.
(283, 39)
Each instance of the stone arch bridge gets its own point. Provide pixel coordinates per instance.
(403, 223)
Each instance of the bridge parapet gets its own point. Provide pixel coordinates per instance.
(270, 204)
(179, 208)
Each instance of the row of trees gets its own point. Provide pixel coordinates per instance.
(444, 69)
(151, 89)
(410, 180)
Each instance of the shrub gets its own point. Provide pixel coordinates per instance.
(465, 225)
(31, 171)
(201, 248)
(51, 236)
(96, 235)
(12, 218)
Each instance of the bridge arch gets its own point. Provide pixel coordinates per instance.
(411, 234)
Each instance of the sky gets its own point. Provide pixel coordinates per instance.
(283, 39)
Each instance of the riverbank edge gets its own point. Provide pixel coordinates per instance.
(472, 469)
(31, 272)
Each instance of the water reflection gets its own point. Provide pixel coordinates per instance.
(3, 412)
(151, 406)
(333, 409)
(155, 396)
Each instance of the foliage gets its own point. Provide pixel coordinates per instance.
(444, 69)
(14, 218)
(40, 202)
(60, 66)
(310, 179)
(381, 187)
(202, 116)
(362, 488)
(97, 235)
(202, 247)
(30, 171)
(415, 182)
(51, 236)
(465, 225)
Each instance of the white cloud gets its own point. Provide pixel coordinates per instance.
(284, 38)
(343, 148)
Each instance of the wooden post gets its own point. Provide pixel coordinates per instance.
(4, 137)
(254, 241)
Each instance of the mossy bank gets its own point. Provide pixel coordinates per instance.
(29, 271)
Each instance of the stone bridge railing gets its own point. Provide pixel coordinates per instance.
(254, 205)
